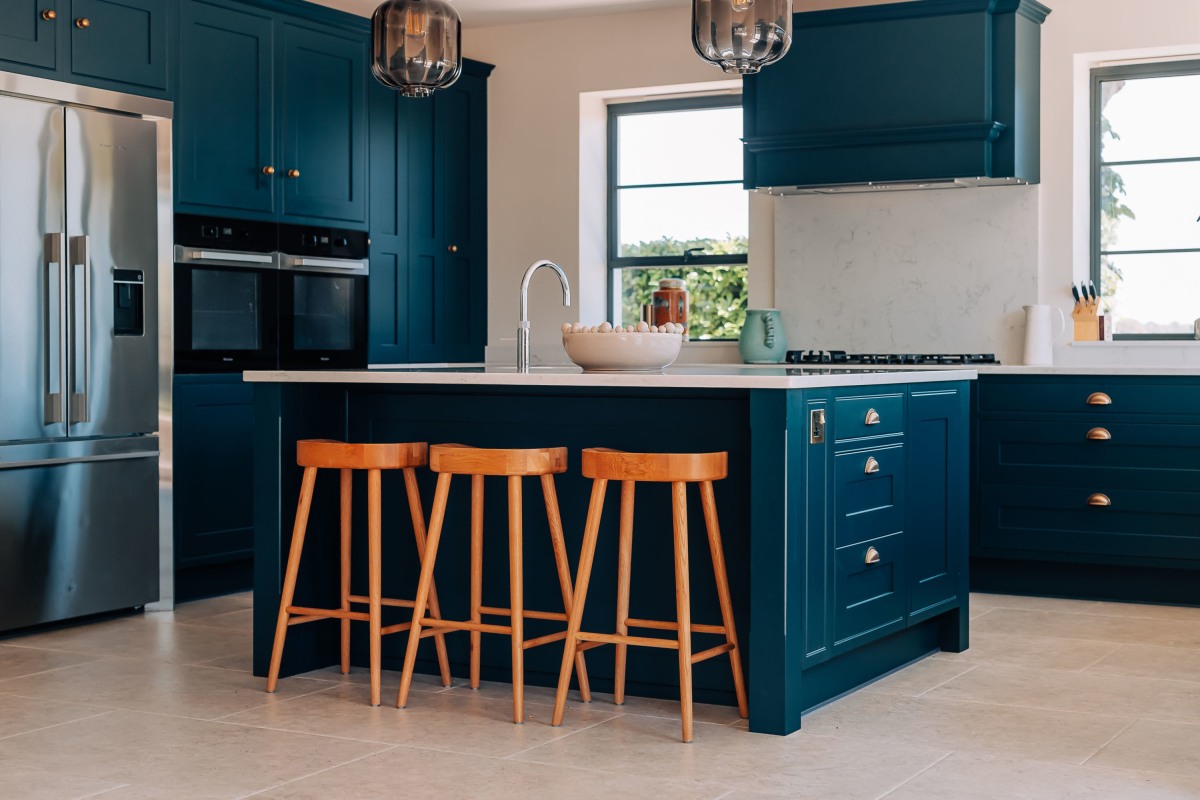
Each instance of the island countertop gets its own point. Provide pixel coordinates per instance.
(682, 377)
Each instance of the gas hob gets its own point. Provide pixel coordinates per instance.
(899, 359)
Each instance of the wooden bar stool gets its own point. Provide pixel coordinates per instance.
(678, 469)
(315, 454)
(454, 459)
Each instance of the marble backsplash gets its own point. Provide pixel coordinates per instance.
(920, 271)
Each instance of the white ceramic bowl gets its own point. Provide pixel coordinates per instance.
(622, 352)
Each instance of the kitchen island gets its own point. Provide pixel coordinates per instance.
(844, 516)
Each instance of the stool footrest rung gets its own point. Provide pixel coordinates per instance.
(303, 614)
(662, 625)
(583, 647)
(547, 639)
(640, 641)
(492, 611)
(456, 625)
(711, 652)
(400, 627)
(385, 601)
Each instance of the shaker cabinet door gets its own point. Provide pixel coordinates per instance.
(26, 36)
(124, 41)
(323, 125)
(223, 113)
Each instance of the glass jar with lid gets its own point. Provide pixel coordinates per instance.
(670, 301)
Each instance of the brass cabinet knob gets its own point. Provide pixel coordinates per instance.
(1099, 500)
(1099, 435)
(872, 556)
(453, 248)
(872, 466)
(268, 170)
(1099, 399)
(293, 173)
(872, 417)
(49, 14)
(82, 22)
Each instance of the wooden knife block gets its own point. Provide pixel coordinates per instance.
(1087, 322)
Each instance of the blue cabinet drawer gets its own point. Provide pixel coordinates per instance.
(869, 590)
(1100, 397)
(1129, 455)
(1137, 525)
(868, 493)
(859, 416)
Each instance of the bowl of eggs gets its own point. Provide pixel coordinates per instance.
(630, 348)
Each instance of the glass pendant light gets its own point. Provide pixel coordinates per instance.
(416, 45)
(741, 36)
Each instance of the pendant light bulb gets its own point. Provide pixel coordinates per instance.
(741, 36)
(416, 45)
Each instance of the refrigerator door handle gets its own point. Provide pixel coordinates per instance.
(52, 402)
(79, 389)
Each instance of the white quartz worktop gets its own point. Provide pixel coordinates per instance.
(684, 377)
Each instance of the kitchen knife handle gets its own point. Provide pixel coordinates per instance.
(52, 401)
(79, 389)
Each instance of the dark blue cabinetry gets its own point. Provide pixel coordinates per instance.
(271, 118)
(125, 46)
(429, 222)
(922, 90)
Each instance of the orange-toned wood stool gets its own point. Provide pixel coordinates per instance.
(316, 454)
(454, 459)
(678, 469)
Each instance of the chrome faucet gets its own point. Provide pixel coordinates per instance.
(523, 330)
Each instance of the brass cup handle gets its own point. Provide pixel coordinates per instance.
(872, 466)
(1099, 435)
(872, 417)
(82, 22)
(1100, 500)
(268, 170)
(49, 14)
(872, 556)
(452, 248)
(293, 173)
(1099, 399)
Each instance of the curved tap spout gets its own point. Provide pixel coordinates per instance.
(523, 329)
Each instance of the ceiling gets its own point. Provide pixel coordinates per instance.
(483, 13)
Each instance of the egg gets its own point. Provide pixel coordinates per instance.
(605, 327)
(566, 327)
(643, 327)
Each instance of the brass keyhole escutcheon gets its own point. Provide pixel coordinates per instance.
(268, 170)
(872, 556)
(49, 14)
(82, 22)
(872, 466)
(293, 173)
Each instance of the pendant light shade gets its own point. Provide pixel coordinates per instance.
(741, 36)
(416, 45)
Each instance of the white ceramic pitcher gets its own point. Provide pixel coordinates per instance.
(1039, 341)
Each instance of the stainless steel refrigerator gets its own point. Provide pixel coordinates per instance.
(80, 195)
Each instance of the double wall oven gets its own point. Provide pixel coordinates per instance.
(259, 295)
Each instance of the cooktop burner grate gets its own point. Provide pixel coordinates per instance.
(906, 359)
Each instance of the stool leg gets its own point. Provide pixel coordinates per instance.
(289, 578)
(718, 558)
(347, 485)
(424, 585)
(476, 573)
(418, 523)
(375, 579)
(516, 593)
(591, 530)
(564, 572)
(624, 570)
(683, 604)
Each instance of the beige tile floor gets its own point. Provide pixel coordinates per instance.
(1056, 700)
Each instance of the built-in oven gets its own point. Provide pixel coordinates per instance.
(323, 275)
(226, 295)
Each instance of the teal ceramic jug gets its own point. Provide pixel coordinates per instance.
(763, 340)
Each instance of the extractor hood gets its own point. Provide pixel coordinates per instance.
(870, 187)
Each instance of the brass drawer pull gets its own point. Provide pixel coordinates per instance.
(1099, 399)
(452, 248)
(268, 170)
(293, 173)
(1100, 500)
(871, 467)
(1099, 435)
(82, 22)
(49, 14)
(872, 556)
(872, 417)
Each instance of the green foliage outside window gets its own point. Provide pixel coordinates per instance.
(1112, 205)
(716, 293)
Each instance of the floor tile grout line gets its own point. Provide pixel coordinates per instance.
(915, 775)
(512, 756)
(55, 725)
(1110, 741)
(318, 772)
(974, 666)
(103, 792)
(45, 672)
(1116, 649)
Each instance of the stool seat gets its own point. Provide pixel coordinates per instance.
(458, 459)
(330, 454)
(618, 465)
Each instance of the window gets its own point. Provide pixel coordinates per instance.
(1146, 197)
(677, 209)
